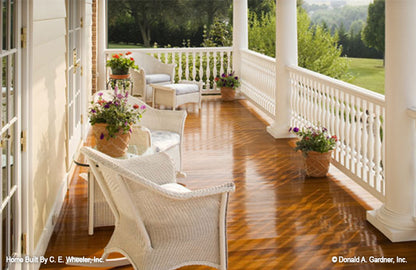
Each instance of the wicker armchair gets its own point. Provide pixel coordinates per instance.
(159, 223)
(151, 71)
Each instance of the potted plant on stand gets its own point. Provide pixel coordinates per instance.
(228, 83)
(317, 147)
(120, 64)
(111, 121)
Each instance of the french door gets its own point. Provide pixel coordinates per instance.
(10, 132)
(74, 75)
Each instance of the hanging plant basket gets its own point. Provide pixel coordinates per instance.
(317, 164)
(227, 93)
(114, 147)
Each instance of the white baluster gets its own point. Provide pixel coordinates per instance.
(338, 124)
(377, 148)
(214, 72)
(358, 136)
(175, 63)
(187, 66)
(208, 72)
(347, 157)
(353, 151)
(364, 141)
(201, 67)
(193, 66)
(180, 71)
(222, 63)
(371, 130)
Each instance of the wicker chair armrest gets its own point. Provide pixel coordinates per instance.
(139, 82)
(141, 138)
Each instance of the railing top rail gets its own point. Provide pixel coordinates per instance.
(363, 93)
(167, 50)
(259, 55)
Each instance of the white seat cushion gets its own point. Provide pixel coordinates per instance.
(183, 88)
(175, 188)
(157, 78)
(163, 140)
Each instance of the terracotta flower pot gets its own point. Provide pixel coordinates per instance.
(114, 147)
(227, 93)
(119, 77)
(317, 164)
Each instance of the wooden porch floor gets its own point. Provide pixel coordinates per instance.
(278, 219)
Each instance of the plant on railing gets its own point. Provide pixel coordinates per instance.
(314, 139)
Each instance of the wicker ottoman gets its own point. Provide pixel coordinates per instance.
(174, 95)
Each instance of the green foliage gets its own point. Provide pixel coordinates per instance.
(334, 17)
(373, 34)
(318, 50)
(314, 139)
(219, 34)
(115, 113)
(262, 33)
(144, 21)
(227, 80)
(121, 63)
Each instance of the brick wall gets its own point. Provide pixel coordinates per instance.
(94, 46)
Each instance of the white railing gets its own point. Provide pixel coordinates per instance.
(194, 64)
(354, 114)
(258, 74)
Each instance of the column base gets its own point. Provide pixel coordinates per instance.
(397, 228)
(279, 132)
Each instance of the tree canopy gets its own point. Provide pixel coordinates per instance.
(373, 34)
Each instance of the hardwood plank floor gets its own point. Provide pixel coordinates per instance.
(278, 219)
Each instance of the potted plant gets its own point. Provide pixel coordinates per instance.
(316, 146)
(228, 83)
(120, 64)
(111, 121)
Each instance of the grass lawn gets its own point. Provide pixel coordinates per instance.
(123, 46)
(367, 73)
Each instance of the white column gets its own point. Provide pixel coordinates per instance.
(395, 218)
(286, 55)
(101, 44)
(240, 32)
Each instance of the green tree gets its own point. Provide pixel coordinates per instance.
(262, 33)
(318, 50)
(219, 35)
(374, 31)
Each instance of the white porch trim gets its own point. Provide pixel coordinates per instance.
(395, 218)
(286, 55)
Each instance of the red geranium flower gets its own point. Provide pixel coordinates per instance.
(116, 56)
(131, 58)
(128, 53)
(136, 106)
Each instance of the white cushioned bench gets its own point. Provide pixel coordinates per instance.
(176, 94)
